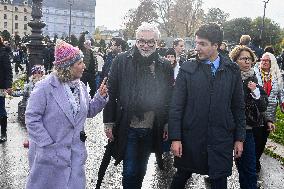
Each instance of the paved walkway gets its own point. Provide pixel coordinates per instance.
(14, 164)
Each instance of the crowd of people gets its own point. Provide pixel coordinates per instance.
(210, 109)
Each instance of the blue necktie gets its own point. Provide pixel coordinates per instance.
(213, 69)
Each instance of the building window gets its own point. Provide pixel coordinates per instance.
(65, 12)
(47, 19)
(16, 17)
(25, 26)
(16, 9)
(5, 7)
(5, 16)
(5, 24)
(25, 10)
(16, 26)
(25, 18)
(56, 11)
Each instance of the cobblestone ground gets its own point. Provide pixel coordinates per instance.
(14, 165)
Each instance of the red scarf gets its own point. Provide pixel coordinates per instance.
(267, 87)
(267, 80)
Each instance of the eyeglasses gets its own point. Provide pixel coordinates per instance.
(150, 43)
(265, 60)
(245, 59)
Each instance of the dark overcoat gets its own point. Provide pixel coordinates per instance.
(6, 75)
(207, 114)
(117, 110)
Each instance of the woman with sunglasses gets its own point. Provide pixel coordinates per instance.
(255, 102)
(269, 77)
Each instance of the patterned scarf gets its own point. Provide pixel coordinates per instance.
(248, 74)
(73, 92)
(267, 80)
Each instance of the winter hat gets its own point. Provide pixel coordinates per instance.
(37, 69)
(66, 55)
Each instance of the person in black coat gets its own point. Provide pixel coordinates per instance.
(139, 87)
(207, 113)
(18, 59)
(6, 78)
(256, 102)
(48, 57)
(117, 45)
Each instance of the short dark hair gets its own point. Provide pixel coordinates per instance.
(171, 51)
(212, 32)
(119, 42)
(269, 49)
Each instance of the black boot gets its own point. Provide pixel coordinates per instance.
(3, 122)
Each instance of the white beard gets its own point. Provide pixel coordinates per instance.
(147, 54)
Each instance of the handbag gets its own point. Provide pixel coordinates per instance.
(253, 115)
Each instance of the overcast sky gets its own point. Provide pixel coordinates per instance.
(110, 12)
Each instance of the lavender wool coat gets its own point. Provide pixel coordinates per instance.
(57, 155)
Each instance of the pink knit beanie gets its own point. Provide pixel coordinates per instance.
(66, 55)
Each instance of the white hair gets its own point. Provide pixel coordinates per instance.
(145, 26)
(274, 69)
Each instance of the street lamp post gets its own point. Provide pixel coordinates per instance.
(71, 2)
(35, 49)
(12, 17)
(263, 20)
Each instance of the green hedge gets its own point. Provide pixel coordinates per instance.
(278, 135)
(19, 83)
(269, 152)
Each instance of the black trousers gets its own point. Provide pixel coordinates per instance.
(3, 116)
(181, 176)
(17, 66)
(260, 138)
(90, 78)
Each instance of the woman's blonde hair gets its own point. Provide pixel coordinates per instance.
(274, 69)
(64, 74)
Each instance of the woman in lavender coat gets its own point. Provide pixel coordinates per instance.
(56, 113)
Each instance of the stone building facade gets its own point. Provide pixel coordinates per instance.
(56, 15)
(15, 16)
